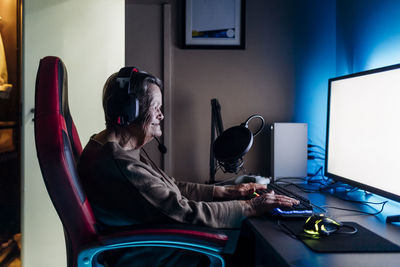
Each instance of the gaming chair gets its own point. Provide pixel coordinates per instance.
(58, 149)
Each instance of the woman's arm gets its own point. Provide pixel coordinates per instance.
(240, 191)
(195, 191)
(168, 199)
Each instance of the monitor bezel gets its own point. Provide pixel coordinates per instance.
(348, 180)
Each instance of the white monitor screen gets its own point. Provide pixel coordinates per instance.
(363, 132)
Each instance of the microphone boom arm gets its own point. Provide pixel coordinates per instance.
(216, 126)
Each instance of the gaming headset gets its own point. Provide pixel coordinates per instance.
(123, 105)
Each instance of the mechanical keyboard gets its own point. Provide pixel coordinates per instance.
(303, 209)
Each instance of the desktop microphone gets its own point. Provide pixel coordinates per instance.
(161, 147)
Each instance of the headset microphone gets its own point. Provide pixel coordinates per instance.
(161, 147)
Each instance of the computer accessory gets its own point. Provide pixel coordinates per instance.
(230, 147)
(364, 240)
(362, 142)
(302, 210)
(318, 224)
(123, 106)
(289, 150)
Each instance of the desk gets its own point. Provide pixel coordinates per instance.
(275, 248)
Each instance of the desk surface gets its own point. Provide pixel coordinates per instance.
(274, 247)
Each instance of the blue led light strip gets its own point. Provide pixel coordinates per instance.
(86, 257)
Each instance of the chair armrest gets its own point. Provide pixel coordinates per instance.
(213, 238)
(208, 241)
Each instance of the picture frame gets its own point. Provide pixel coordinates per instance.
(211, 24)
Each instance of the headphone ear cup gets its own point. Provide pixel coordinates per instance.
(130, 110)
(123, 106)
(122, 109)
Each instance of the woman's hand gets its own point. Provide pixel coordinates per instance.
(268, 201)
(239, 191)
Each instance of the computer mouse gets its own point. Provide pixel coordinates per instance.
(319, 224)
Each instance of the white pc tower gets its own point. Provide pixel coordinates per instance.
(288, 150)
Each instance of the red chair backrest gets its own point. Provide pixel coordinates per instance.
(58, 148)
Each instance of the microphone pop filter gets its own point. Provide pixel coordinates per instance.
(233, 144)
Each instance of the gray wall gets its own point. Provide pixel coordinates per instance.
(258, 80)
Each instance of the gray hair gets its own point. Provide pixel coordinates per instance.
(140, 87)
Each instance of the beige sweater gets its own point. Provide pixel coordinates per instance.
(124, 189)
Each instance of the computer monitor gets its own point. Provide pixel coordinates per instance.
(363, 131)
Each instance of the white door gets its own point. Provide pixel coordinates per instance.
(89, 37)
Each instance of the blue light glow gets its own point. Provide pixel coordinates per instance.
(292, 212)
(87, 256)
(335, 38)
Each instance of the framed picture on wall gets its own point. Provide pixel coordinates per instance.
(211, 24)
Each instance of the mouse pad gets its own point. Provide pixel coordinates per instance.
(362, 241)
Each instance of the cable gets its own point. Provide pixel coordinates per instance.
(319, 172)
(298, 178)
(320, 147)
(318, 207)
(368, 203)
(355, 230)
(329, 186)
(162, 148)
(359, 211)
(286, 230)
(305, 190)
(322, 182)
(315, 157)
(362, 201)
(316, 152)
(312, 175)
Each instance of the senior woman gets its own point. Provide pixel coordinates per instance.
(125, 187)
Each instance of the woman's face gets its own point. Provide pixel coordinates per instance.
(153, 127)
